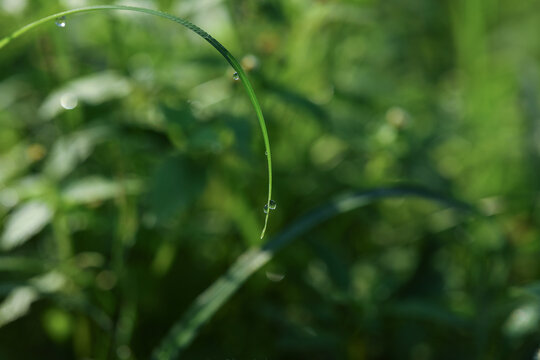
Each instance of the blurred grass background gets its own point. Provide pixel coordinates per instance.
(132, 174)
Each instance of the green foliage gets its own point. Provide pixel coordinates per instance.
(132, 175)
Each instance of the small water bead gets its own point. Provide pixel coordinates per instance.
(236, 76)
(61, 21)
(271, 206)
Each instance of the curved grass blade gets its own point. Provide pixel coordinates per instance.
(209, 302)
(222, 50)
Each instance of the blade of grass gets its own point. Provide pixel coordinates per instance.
(209, 302)
(222, 50)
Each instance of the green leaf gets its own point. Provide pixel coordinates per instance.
(176, 184)
(22, 264)
(13, 163)
(523, 320)
(94, 189)
(23, 223)
(17, 304)
(19, 300)
(93, 90)
(71, 150)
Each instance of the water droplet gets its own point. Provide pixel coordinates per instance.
(61, 21)
(271, 206)
(266, 153)
(236, 76)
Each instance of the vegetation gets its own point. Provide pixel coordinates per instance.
(133, 179)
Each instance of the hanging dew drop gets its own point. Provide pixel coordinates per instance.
(236, 76)
(61, 22)
(272, 206)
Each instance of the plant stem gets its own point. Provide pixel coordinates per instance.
(222, 50)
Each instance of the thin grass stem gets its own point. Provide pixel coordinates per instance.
(222, 50)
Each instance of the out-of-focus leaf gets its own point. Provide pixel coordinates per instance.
(204, 96)
(242, 134)
(10, 90)
(8, 198)
(295, 99)
(179, 122)
(532, 289)
(26, 221)
(425, 310)
(337, 268)
(17, 304)
(13, 162)
(93, 89)
(92, 189)
(523, 320)
(176, 183)
(207, 138)
(49, 282)
(24, 189)
(73, 149)
(22, 264)
(185, 132)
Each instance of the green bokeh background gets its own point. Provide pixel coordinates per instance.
(132, 174)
